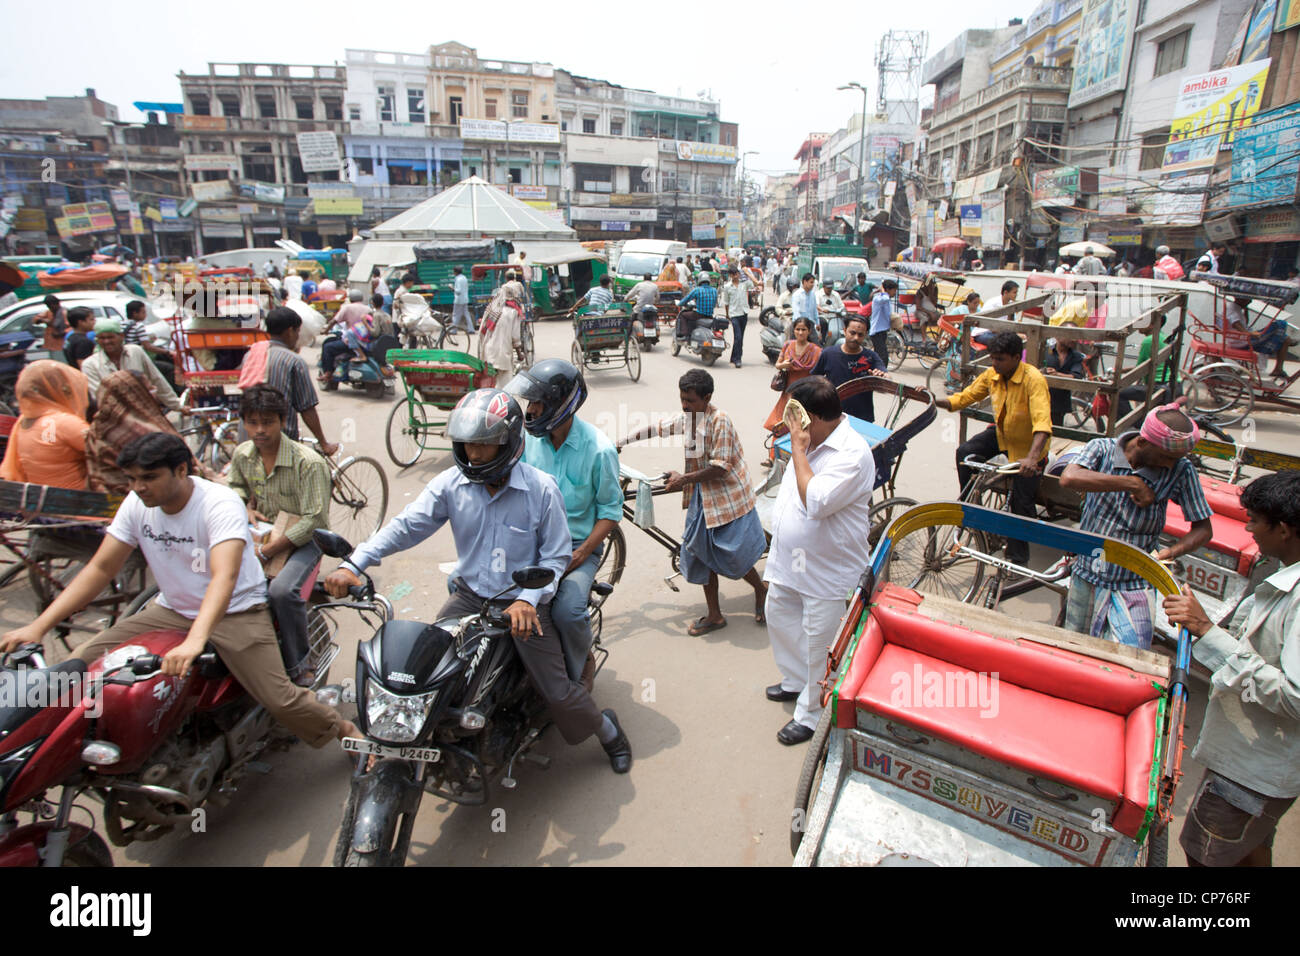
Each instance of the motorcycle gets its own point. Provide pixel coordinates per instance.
(367, 373)
(647, 327)
(153, 748)
(773, 331)
(705, 336)
(447, 709)
(832, 326)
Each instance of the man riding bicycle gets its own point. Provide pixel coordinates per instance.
(584, 464)
(505, 515)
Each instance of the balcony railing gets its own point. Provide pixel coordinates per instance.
(1031, 77)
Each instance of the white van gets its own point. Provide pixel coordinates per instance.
(644, 256)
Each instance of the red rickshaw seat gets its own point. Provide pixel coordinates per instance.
(1227, 536)
(1088, 723)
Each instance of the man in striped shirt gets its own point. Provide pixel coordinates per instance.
(598, 298)
(273, 473)
(287, 373)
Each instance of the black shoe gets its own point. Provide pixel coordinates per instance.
(778, 693)
(619, 750)
(794, 733)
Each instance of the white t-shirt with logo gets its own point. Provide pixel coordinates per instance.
(178, 547)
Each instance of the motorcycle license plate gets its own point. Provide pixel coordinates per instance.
(357, 745)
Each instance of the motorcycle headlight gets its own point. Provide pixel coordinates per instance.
(396, 718)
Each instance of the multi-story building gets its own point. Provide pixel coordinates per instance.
(806, 185)
(980, 120)
(241, 121)
(777, 209)
(53, 152)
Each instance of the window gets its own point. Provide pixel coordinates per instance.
(490, 109)
(516, 174)
(415, 104)
(519, 105)
(229, 105)
(365, 165)
(726, 139)
(354, 112)
(213, 146)
(1171, 54)
(589, 126)
(200, 106)
(333, 107)
(385, 103)
(258, 163)
(615, 129)
(455, 108)
(303, 109)
(564, 126)
(265, 104)
(1153, 149)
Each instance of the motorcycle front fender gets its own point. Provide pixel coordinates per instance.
(382, 796)
(22, 845)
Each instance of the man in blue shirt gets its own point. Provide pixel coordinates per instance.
(460, 318)
(584, 464)
(308, 285)
(597, 299)
(849, 360)
(703, 298)
(882, 313)
(505, 515)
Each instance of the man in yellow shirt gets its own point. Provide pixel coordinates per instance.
(1079, 310)
(1022, 410)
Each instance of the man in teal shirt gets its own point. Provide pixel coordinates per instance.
(584, 464)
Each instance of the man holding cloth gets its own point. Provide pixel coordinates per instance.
(1249, 739)
(1022, 411)
(1128, 482)
(820, 545)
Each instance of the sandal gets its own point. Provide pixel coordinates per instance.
(704, 625)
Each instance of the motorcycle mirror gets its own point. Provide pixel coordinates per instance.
(533, 577)
(331, 544)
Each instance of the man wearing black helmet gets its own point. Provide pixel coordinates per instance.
(584, 464)
(505, 515)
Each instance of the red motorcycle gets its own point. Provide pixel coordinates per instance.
(151, 747)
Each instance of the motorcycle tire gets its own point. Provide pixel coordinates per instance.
(91, 851)
(709, 357)
(676, 347)
(772, 357)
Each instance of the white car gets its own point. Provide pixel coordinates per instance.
(20, 316)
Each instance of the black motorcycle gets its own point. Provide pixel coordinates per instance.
(704, 335)
(447, 708)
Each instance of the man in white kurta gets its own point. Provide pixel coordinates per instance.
(820, 529)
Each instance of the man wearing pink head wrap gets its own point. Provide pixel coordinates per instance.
(1127, 483)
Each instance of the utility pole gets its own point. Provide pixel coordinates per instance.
(862, 160)
(126, 165)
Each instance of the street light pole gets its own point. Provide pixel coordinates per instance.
(862, 159)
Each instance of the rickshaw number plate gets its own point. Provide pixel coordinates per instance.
(1205, 577)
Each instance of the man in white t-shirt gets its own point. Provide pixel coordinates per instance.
(194, 535)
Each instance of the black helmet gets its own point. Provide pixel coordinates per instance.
(486, 416)
(558, 385)
(791, 285)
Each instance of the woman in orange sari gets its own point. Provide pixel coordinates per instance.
(798, 356)
(48, 444)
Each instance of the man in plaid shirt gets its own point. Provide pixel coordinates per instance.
(723, 535)
(273, 473)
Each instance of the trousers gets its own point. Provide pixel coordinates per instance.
(460, 318)
(575, 714)
(738, 323)
(801, 629)
(284, 594)
(247, 646)
(1023, 487)
(330, 353)
(569, 612)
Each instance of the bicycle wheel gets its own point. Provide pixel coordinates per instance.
(943, 377)
(896, 350)
(880, 515)
(633, 359)
(56, 558)
(407, 431)
(224, 442)
(612, 561)
(1080, 412)
(358, 499)
(451, 338)
(932, 347)
(1223, 393)
(942, 561)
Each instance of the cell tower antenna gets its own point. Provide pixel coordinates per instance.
(899, 59)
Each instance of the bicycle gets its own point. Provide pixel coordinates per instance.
(212, 435)
(358, 494)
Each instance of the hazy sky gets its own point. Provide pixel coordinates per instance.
(775, 68)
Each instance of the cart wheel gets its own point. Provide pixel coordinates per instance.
(1158, 849)
(896, 350)
(633, 359)
(407, 429)
(810, 778)
(1222, 392)
(1080, 412)
(449, 338)
(676, 346)
(938, 559)
(880, 515)
(709, 357)
(939, 380)
(933, 345)
(576, 356)
(358, 499)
